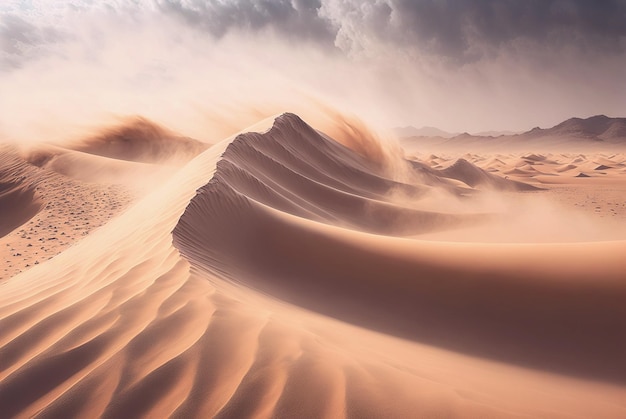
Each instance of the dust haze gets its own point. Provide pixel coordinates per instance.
(161, 70)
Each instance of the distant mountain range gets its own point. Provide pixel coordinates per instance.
(410, 131)
(596, 128)
(596, 132)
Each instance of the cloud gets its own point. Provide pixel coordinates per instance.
(449, 30)
(298, 19)
(21, 41)
(457, 31)
(472, 65)
(466, 31)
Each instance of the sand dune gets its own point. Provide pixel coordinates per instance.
(139, 139)
(474, 176)
(268, 278)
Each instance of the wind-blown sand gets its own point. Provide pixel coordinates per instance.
(281, 274)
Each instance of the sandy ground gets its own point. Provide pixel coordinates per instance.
(596, 200)
(283, 275)
(67, 211)
(50, 232)
(602, 200)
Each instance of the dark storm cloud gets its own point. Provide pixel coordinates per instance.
(21, 40)
(459, 30)
(452, 27)
(297, 18)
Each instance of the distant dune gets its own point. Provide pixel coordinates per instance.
(474, 176)
(279, 273)
(140, 140)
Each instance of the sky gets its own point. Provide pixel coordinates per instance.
(205, 68)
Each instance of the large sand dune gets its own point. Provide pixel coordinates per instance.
(281, 274)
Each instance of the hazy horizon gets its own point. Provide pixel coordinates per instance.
(479, 66)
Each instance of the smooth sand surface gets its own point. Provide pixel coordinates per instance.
(281, 274)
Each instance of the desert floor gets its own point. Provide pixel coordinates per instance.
(282, 274)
